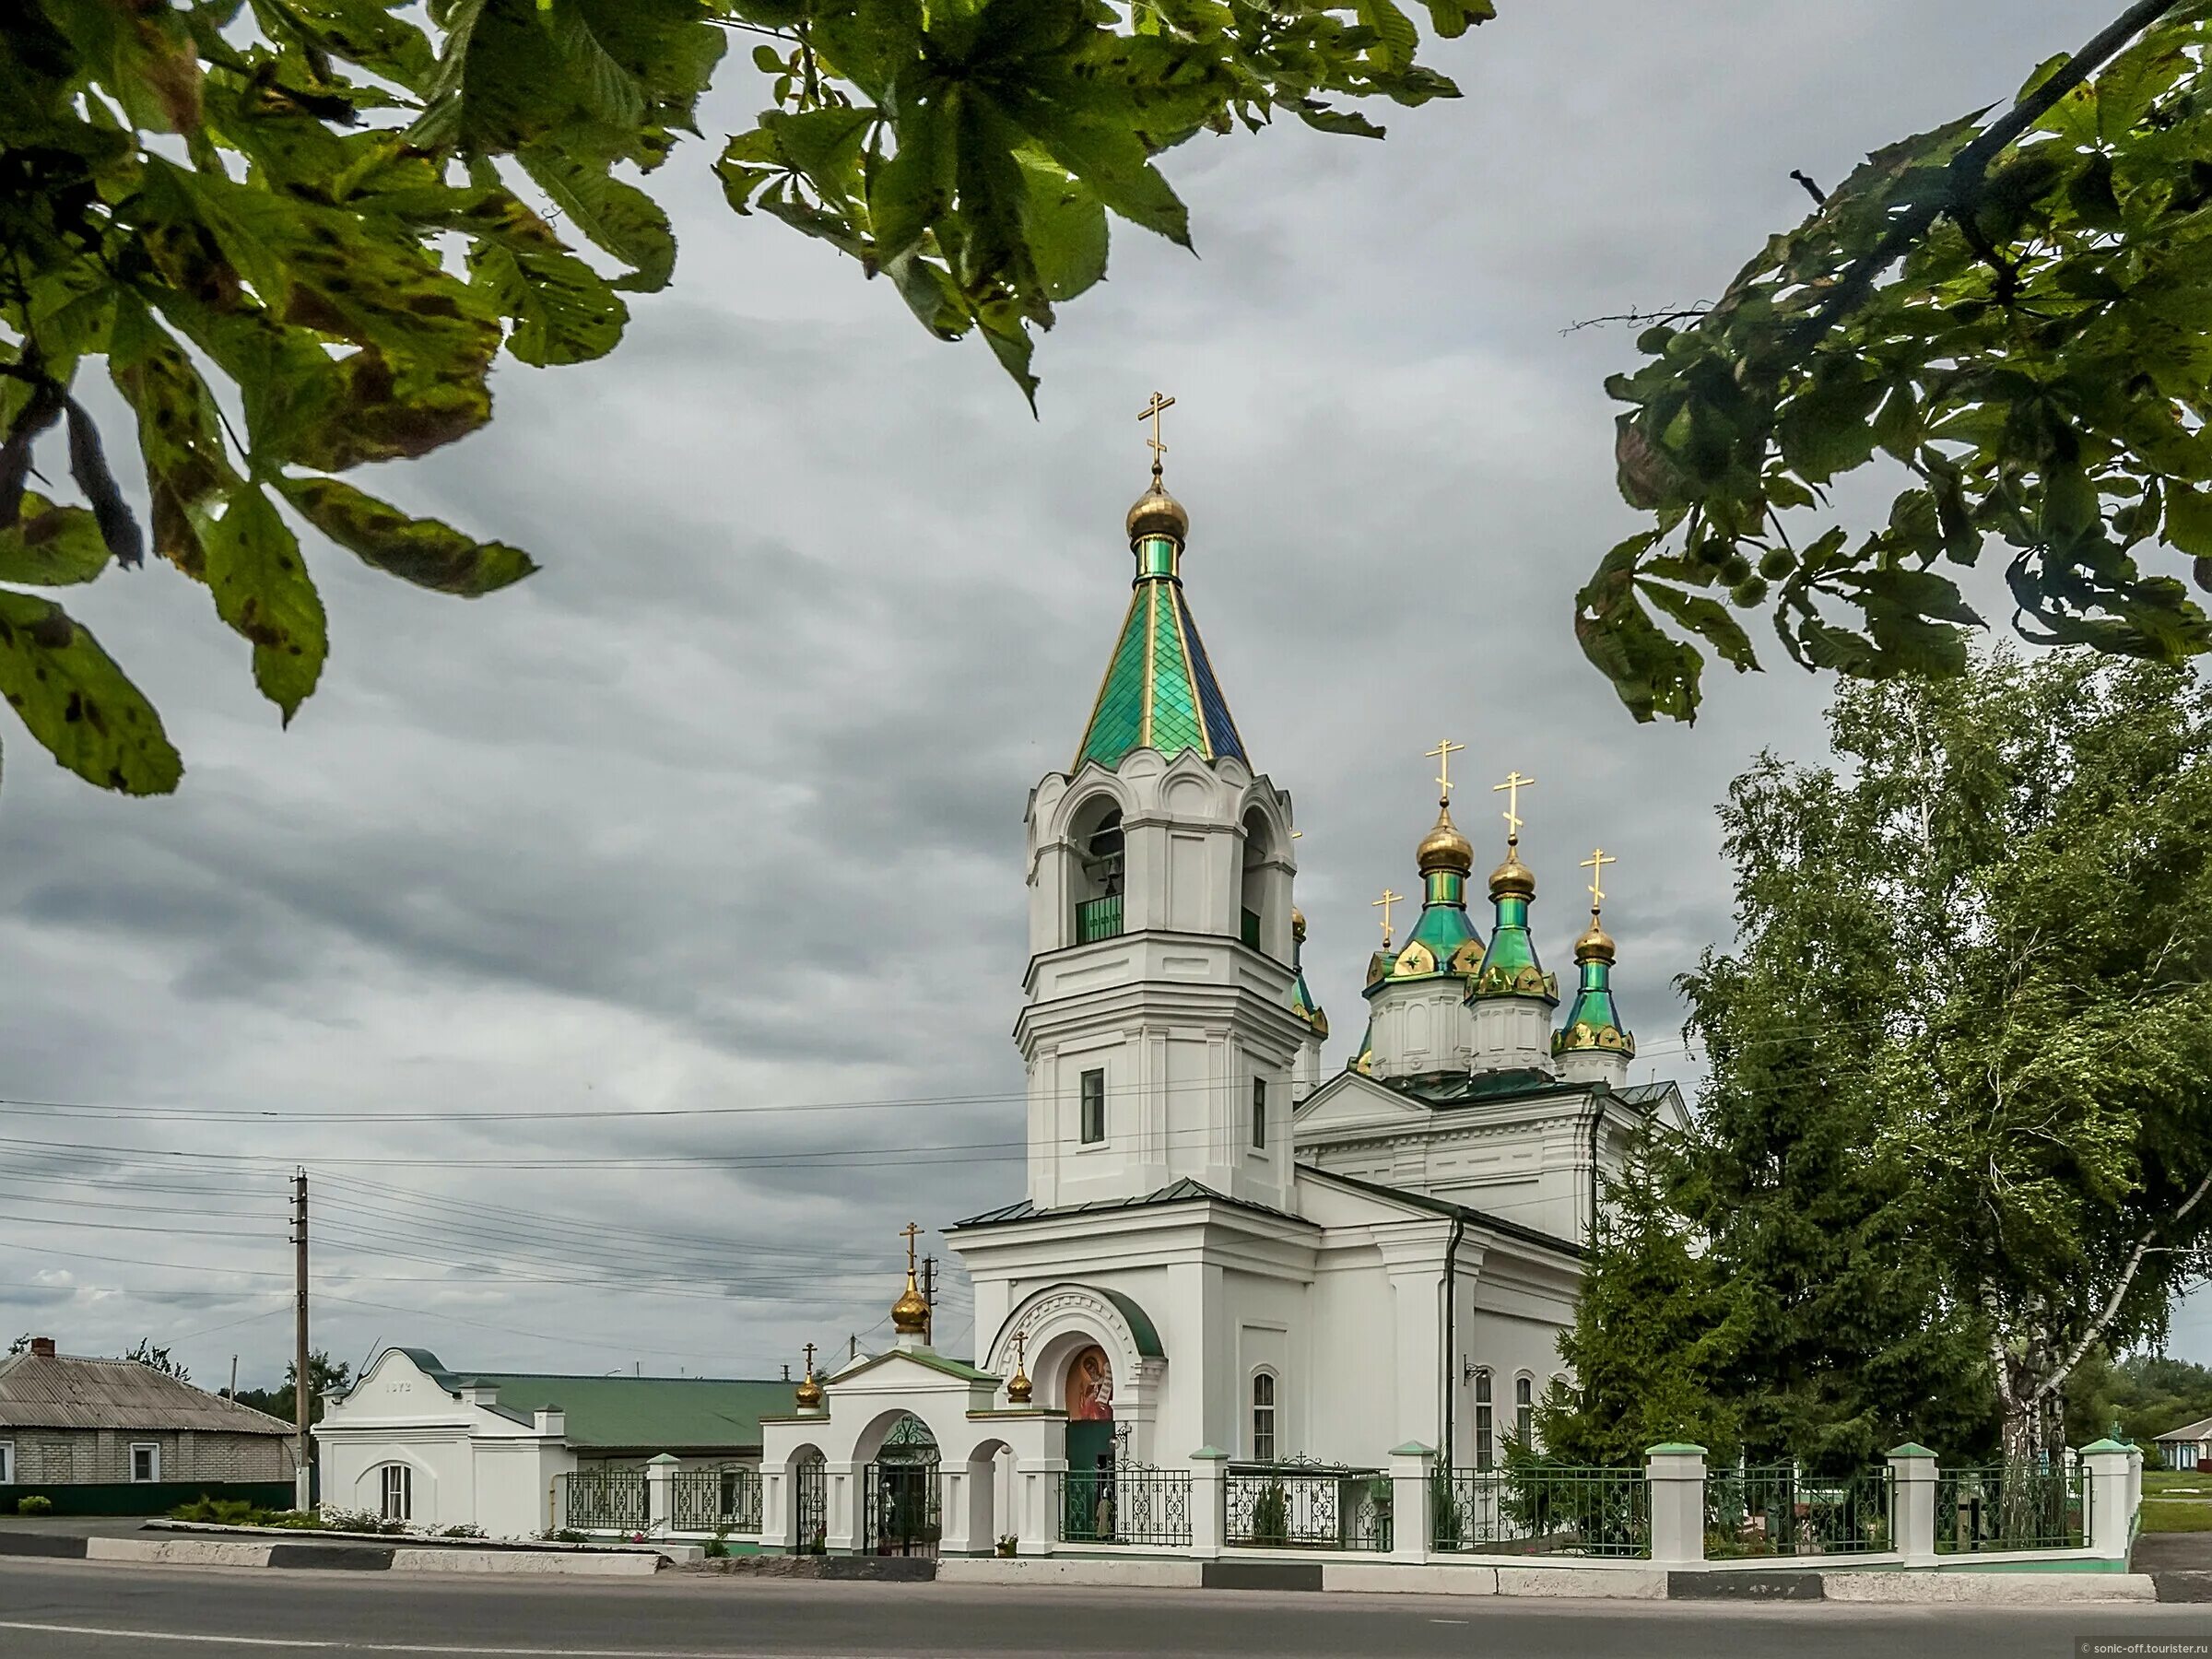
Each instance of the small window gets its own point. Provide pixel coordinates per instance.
(396, 1492)
(1262, 1417)
(1094, 1107)
(8, 1463)
(1486, 1433)
(145, 1463)
(1525, 1412)
(1259, 1112)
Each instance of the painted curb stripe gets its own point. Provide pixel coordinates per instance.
(1746, 1586)
(340, 1557)
(43, 1543)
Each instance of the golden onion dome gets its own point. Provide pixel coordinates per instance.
(1444, 848)
(1512, 879)
(1298, 926)
(1019, 1388)
(1595, 944)
(909, 1313)
(810, 1394)
(1156, 513)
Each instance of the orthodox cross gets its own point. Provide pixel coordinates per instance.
(908, 1233)
(1383, 905)
(1513, 786)
(1442, 754)
(1020, 1350)
(1151, 412)
(810, 1359)
(1595, 863)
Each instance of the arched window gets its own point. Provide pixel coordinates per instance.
(1486, 1428)
(395, 1491)
(1258, 846)
(1262, 1417)
(1525, 1412)
(1097, 885)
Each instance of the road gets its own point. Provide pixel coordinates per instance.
(90, 1610)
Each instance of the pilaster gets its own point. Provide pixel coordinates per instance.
(1676, 1472)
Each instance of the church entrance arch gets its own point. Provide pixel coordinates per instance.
(901, 1512)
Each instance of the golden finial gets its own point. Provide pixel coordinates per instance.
(1442, 754)
(1018, 1386)
(810, 1390)
(1513, 786)
(1512, 879)
(1383, 905)
(1156, 513)
(909, 1313)
(1152, 412)
(1596, 945)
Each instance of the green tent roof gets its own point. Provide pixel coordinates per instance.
(1160, 690)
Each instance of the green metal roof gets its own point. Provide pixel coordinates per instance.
(1593, 1022)
(643, 1414)
(1160, 690)
(1510, 967)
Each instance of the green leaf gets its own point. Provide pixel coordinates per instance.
(424, 551)
(2189, 520)
(1067, 229)
(51, 545)
(913, 190)
(564, 311)
(72, 698)
(1706, 618)
(1826, 428)
(1113, 163)
(262, 589)
(1395, 39)
(618, 217)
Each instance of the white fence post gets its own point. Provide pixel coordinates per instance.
(660, 1492)
(1675, 1473)
(1041, 1491)
(775, 1508)
(1913, 1504)
(1209, 1502)
(2105, 1485)
(1411, 1524)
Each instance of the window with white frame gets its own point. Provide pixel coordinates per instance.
(146, 1463)
(1525, 1411)
(395, 1491)
(8, 1463)
(1262, 1417)
(1259, 1113)
(1094, 1107)
(1485, 1429)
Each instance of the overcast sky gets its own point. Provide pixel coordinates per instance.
(724, 808)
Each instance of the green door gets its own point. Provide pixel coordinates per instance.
(1089, 1481)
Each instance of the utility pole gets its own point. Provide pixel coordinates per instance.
(929, 1295)
(303, 1392)
(233, 1394)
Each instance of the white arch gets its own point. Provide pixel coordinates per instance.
(1049, 1319)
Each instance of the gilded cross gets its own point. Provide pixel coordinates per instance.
(1020, 1349)
(910, 1233)
(1595, 863)
(1151, 412)
(810, 1359)
(1513, 786)
(1383, 905)
(1442, 754)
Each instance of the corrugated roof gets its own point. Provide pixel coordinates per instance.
(43, 1390)
(2198, 1431)
(649, 1414)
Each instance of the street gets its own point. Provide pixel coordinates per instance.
(90, 1611)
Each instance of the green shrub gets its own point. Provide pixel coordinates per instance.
(36, 1504)
(1271, 1514)
(718, 1544)
(222, 1512)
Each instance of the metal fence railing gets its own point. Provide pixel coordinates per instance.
(1098, 918)
(1779, 1510)
(603, 1500)
(2010, 1507)
(714, 1501)
(1542, 1509)
(1294, 1506)
(1127, 1505)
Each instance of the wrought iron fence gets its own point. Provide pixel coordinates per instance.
(714, 1499)
(1778, 1509)
(1542, 1509)
(603, 1500)
(1125, 1505)
(811, 1509)
(1303, 1506)
(1099, 919)
(2011, 1507)
(901, 1510)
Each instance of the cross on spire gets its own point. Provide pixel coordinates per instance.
(1595, 863)
(910, 1233)
(1383, 905)
(810, 1359)
(1513, 786)
(1442, 754)
(1152, 412)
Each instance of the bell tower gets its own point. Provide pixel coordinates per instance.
(1159, 1025)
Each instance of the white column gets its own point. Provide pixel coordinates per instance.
(1913, 1504)
(1411, 1525)
(1209, 1501)
(1039, 1481)
(2111, 1512)
(775, 1508)
(840, 1535)
(660, 1493)
(956, 1520)
(1676, 1472)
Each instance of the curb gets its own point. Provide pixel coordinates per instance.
(322, 1557)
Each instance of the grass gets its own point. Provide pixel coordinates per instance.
(2176, 1515)
(2177, 1482)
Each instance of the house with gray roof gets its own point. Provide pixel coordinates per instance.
(117, 1437)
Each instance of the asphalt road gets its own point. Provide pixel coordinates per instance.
(89, 1610)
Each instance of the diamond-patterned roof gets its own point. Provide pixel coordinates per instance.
(1160, 691)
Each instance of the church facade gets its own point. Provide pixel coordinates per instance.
(1222, 1246)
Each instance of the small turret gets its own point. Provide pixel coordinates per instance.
(1594, 1047)
(1421, 1024)
(1511, 995)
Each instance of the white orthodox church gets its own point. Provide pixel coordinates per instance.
(1223, 1249)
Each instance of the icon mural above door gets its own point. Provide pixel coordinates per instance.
(1090, 1386)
